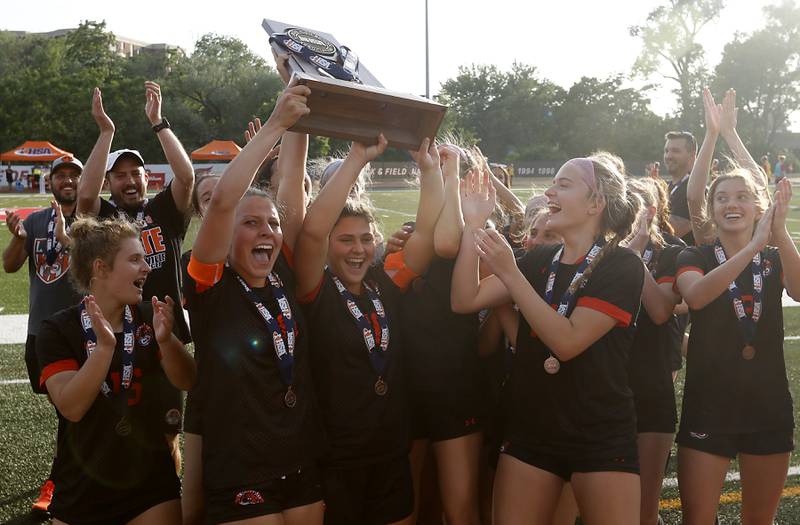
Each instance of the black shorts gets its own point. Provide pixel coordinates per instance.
(128, 503)
(371, 495)
(731, 445)
(656, 413)
(618, 459)
(439, 417)
(32, 364)
(295, 489)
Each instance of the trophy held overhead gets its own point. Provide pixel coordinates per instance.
(347, 101)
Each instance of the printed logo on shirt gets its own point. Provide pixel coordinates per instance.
(698, 435)
(173, 417)
(155, 251)
(248, 497)
(49, 273)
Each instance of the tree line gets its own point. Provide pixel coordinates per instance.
(515, 115)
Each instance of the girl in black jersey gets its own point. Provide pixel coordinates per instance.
(101, 364)
(353, 307)
(650, 364)
(736, 400)
(572, 416)
(252, 412)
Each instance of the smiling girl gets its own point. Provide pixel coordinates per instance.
(572, 416)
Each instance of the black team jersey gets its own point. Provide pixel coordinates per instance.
(725, 393)
(98, 472)
(162, 234)
(237, 405)
(587, 405)
(441, 347)
(651, 357)
(362, 427)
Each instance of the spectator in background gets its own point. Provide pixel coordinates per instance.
(779, 170)
(679, 155)
(766, 166)
(10, 177)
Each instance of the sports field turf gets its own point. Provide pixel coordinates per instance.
(27, 422)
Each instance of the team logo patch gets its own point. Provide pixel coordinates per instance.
(249, 497)
(698, 435)
(173, 416)
(144, 334)
(49, 273)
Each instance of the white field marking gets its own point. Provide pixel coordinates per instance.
(730, 476)
(13, 381)
(396, 212)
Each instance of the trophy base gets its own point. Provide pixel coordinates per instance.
(349, 111)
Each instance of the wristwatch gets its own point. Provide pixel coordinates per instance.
(164, 124)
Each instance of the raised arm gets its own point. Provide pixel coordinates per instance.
(94, 172)
(790, 259)
(469, 293)
(450, 226)
(177, 158)
(698, 290)
(735, 144)
(14, 255)
(312, 243)
(291, 197)
(213, 239)
(696, 188)
(419, 249)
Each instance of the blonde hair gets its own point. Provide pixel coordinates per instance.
(94, 239)
(621, 206)
(647, 190)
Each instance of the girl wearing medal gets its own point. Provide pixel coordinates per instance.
(354, 310)
(252, 413)
(571, 415)
(101, 364)
(650, 364)
(736, 401)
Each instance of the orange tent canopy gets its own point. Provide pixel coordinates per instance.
(217, 150)
(34, 151)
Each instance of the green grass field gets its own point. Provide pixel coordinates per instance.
(27, 422)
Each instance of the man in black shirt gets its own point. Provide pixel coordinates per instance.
(679, 155)
(163, 219)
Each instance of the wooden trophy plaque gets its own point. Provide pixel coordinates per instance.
(350, 109)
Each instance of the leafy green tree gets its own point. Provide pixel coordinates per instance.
(670, 47)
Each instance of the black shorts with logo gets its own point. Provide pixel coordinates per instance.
(439, 417)
(618, 459)
(294, 489)
(371, 495)
(731, 445)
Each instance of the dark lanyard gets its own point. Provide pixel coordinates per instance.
(328, 66)
(282, 329)
(376, 339)
(128, 345)
(747, 324)
(566, 299)
(53, 246)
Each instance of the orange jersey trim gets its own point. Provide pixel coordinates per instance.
(402, 274)
(622, 317)
(64, 365)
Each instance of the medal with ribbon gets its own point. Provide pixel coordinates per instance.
(120, 400)
(376, 338)
(139, 218)
(747, 324)
(282, 329)
(552, 365)
(53, 245)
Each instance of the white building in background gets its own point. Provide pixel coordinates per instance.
(123, 45)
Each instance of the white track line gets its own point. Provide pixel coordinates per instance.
(730, 476)
(13, 381)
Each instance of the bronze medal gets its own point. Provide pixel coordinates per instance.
(123, 427)
(552, 365)
(381, 388)
(748, 352)
(290, 399)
